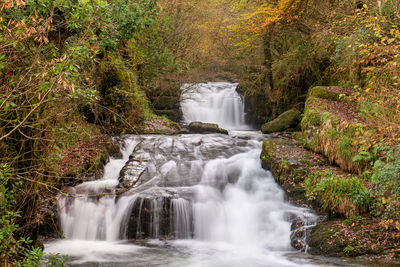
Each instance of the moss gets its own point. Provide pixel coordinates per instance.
(337, 138)
(361, 237)
(284, 164)
(122, 108)
(114, 150)
(79, 151)
(290, 166)
(333, 194)
(201, 127)
(323, 92)
(338, 193)
(312, 117)
(165, 102)
(322, 242)
(267, 153)
(284, 121)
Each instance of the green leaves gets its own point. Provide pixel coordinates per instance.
(131, 17)
(338, 193)
(363, 156)
(385, 176)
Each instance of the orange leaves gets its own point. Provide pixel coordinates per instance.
(32, 26)
(9, 4)
(284, 11)
(65, 84)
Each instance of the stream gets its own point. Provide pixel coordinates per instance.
(186, 200)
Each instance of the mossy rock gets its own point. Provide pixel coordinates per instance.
(267, 153)
(290, 164)
(123, 103)
(285, 121)
(324, 93)
(320, 240)
(206, 128)
(114, 150)
(172, 114)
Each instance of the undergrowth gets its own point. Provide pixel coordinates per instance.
(339, 194)
(386, 178)
(15, 250)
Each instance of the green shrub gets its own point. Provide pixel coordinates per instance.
(337, 193)
(386, 177)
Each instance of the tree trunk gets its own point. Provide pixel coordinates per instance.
(269, 84)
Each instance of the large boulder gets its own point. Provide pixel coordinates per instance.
(205, 128)
(286, 120)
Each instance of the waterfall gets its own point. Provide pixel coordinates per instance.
(182, 218)
(213, 103)
(206, 192)
(86, 215)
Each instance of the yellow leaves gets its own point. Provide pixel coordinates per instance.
(391, 224)
(284, 11)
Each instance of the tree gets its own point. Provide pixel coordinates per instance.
(263, 20)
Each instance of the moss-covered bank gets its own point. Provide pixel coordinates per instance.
(341, 200)
(340, 166)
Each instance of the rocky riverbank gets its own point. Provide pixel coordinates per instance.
(333, 166)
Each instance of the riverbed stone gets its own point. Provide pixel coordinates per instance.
(205, 128)
(286, 120)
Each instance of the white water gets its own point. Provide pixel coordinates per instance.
(224, 209)
(214, 103)
(91, 217)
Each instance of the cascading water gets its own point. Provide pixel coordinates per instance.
(205, 198)
(87, 216)
(214, 103)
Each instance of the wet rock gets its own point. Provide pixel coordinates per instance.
(50, 223)
(133, 170)
(320, 240)
(286, 120)
(298, 235)
(301, 227)
(156, 214)
(290, 164)
(150, 218)
(206, 128)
